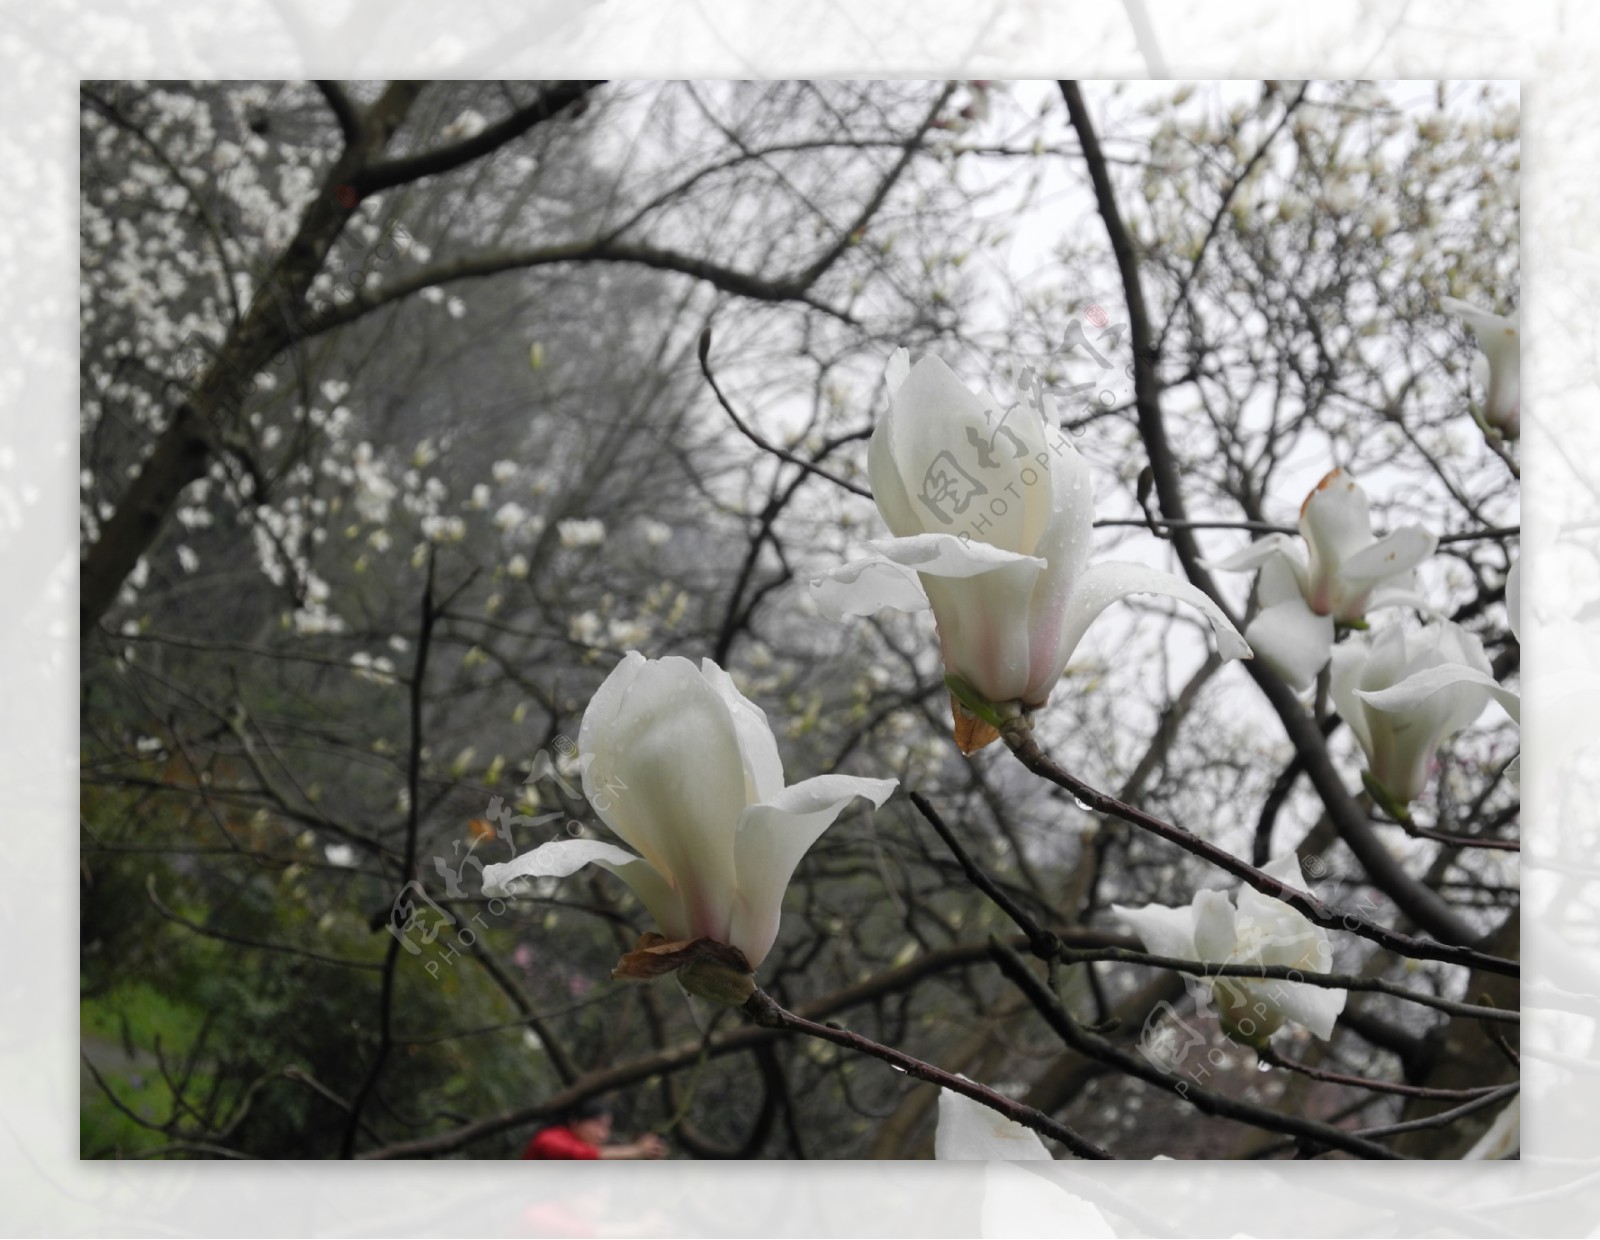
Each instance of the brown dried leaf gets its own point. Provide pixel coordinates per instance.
(972, 733)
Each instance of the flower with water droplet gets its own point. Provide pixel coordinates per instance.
(992, 518)
(1259, 931)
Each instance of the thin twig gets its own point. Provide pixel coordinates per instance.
(1267, 1055)
(1203, 1100)
(766, 1012)
(1041, 942)
(1288, 973)
(413, 809)
(1445, 1118)
(766, 445)
(1018, 734)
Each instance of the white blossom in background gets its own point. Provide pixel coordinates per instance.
(468, 125)
(684, 768)
(375, 491)
(379, 670)
(1404, 693)
(510, 517)
(439, 529)
(1345, 573)
(1497, 369)
(585, 627)
(1259, 931)
(504, 471)
(656, 533)
(340, 855)
(581, 532)
(626, 633)
(992, 517)
(517, 567)
(187, 559)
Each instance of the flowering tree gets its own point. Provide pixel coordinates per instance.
(793, 482)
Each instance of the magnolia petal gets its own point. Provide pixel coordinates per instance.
(666, 773)
(1399, 596)
(563, 857)
(1315, 1007)
(1164, 931)
(889, 578)
(1256, 554)
(1281, 578)
(947, 555)
(961, 463)
(888, 487)
(1482, 322)
(1501, 344)
(895, 372)
(1344, 678)
(1335, 521)
(1216, 939)
(1018, 1202)
(554, 860)
(1104, 583)
(1416, 689)
(1292, 640)
(762, 767)
(866, 587)
(1504, 1138)
(770, 842)
(1064, 546)
(971, 1132)
(983, 631)
(1390, 556)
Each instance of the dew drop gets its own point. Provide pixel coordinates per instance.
(1263, 1066)
(1083, 805)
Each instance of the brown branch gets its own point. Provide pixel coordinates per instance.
(344, 110)
(762, 1009)
(1203, 1100)
(687, 1054)
(1418, 901)
(552, 99)
(1018, 735)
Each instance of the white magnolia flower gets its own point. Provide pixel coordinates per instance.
(510, 516)
(1498, 368)
(443, 529)
(992, 516)
(582, 532)
(1349, 573)
(970, 1131)
(1260, 931)
(340, 854)
(685, 769)
(1403, 693)
(1015, 1202)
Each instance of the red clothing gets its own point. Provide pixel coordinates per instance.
(559, 1142)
